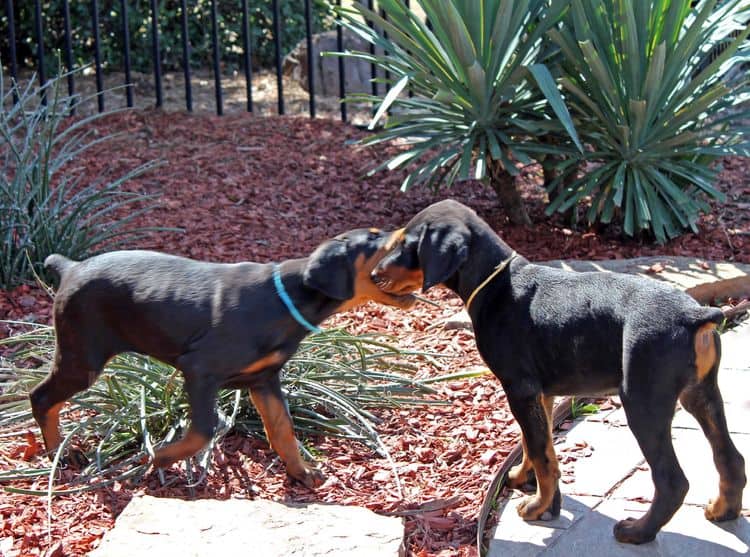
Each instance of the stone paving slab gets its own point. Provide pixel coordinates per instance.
(735, 354)
(683, 272)
(515, 537)
(735, 412)
(613, 448)
(155, 526)
(694, 454)
(687, 534)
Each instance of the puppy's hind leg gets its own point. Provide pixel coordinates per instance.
(649, 417)
(703, 400)
(69, 375)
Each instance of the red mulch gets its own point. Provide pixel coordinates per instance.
(248, 188)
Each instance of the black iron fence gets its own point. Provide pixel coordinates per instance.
(30, 25)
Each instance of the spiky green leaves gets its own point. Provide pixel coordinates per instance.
(474, 97)
(646, 84)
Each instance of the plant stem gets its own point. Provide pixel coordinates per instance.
(507, 193)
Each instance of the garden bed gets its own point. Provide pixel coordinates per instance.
(247, 188)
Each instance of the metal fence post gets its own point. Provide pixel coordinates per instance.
(40, 47)
(126, 54)
(246, 56)
(310, 58)
(69, 52)
(156, 52)
(186, 56)
(97, 55)
(277, 44)
(12, 46)
(217, 66)
(342, 69)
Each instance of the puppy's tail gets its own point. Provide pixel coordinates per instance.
(58, 265)
(701, 315)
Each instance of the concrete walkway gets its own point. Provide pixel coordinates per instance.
(609, 481)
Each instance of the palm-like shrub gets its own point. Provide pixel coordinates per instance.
(45, 207)
(478, 95)
(647, 84)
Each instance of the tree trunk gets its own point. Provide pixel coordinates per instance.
(550, 174)
(510, 198)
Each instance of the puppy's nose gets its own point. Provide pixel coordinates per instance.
(376, 277)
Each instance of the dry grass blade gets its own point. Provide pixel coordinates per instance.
(138, 403)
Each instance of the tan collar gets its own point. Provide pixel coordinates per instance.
(499, 269)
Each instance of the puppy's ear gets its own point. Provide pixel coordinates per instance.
(329, 270)
(442, 250)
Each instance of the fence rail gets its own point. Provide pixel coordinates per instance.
(66, 54)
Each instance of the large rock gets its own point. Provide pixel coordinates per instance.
(357, 73)
(154, 526)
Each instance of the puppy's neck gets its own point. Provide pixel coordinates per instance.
(315, 306)
(486, 252)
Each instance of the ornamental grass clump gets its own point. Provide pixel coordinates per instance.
(45, 204)
(658, 93)
(332, 383)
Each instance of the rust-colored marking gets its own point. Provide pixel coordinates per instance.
(705, 350)
(374, 230)
(397, 237)
(273, 359)
(547, 472)
(279, 430)
(365, 290)
(518, 475)
(51, 428)
(717, 508)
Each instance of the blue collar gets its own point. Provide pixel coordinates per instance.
(288, 301)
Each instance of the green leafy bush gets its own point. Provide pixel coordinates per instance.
(332, 382)
(44, 206)
(170, 31)
(481, 98)
(649, 85)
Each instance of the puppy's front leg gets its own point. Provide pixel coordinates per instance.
(533, 415)
(269, 401)
(522, 476)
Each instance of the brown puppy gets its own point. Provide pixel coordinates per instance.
(222, 325)
(545, 332)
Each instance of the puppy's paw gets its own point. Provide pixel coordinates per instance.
(721, 509)
(309, 476)
(533, 508)
(633, 531)
(518, 478)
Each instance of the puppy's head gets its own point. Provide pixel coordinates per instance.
(341, 268)
(429, 251)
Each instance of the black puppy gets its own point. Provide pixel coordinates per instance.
(545, 332)
(222, 325)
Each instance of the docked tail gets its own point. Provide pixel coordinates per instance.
(58, 264)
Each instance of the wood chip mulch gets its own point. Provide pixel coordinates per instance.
(248, 188)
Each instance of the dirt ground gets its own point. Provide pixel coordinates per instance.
(247, 187)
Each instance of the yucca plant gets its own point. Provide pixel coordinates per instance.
(479, 98)
(649, 86)
(332, 382)
(45, 207)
